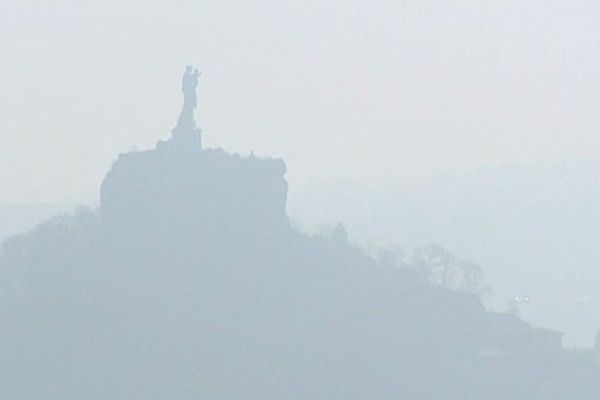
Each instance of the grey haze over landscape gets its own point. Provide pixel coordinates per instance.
(366, 200)
(379, 91)
(377, 99)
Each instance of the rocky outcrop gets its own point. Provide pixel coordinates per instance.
(174, 193)
(179, 192)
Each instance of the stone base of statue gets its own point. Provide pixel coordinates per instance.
(187, 138)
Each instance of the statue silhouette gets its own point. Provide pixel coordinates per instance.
(186, 130)
(188, 87)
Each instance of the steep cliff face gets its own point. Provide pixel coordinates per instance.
(178, 193)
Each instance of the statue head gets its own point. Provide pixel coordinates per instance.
(190, 79)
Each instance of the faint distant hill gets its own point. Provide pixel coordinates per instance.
(532, 227)
(189, 282)
(22, 217)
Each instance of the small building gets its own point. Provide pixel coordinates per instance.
(507, 335)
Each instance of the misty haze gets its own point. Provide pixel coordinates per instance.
(300, 200)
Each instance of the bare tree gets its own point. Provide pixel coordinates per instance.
(439, 267)
(435, 264)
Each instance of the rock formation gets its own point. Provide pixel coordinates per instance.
(179, 191)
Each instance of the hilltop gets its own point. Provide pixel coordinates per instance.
(189, 281)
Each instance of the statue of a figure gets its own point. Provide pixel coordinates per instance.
(186, 131)
(188, 87)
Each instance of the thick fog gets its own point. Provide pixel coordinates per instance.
(384, 91)
(376, 98)
(362, 195)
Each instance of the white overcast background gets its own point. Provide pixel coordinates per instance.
(470, 123)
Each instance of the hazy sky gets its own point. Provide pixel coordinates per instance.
(369, 102)
(391, 90)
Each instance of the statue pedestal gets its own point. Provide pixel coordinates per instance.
(187, 138)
